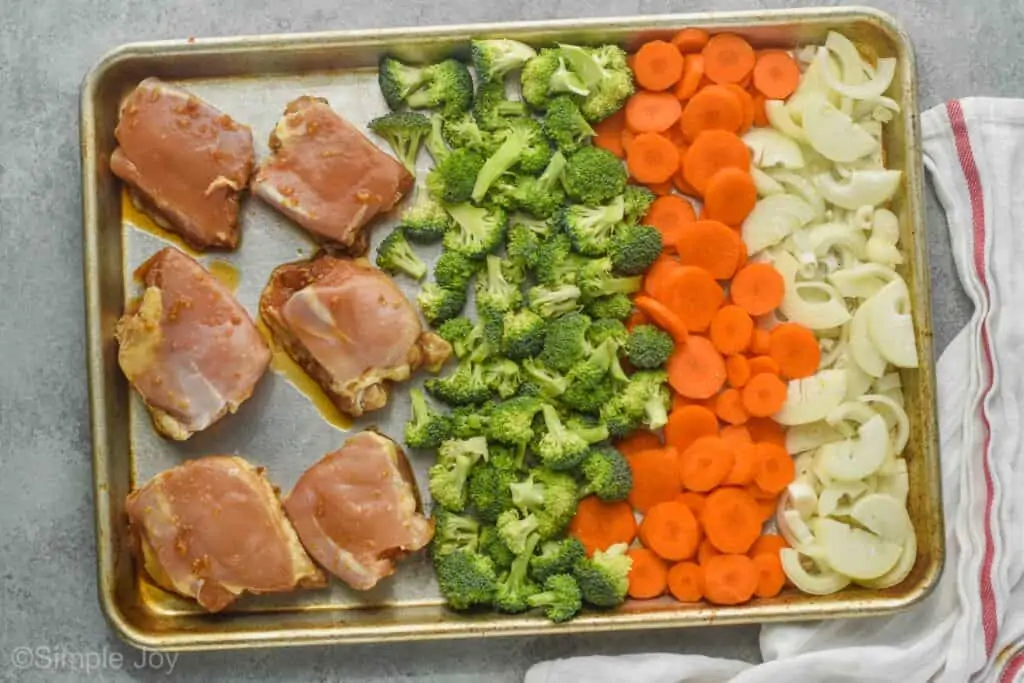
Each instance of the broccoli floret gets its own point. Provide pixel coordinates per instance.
(493, 323)
(489, 491)
(596, 279)
(523, 245)
(425, 221)
(515, 586)
(452, 180)
(453, 532)
(466, 578)
(616, 307)
(561, 598)
(565, 342)
(462, 131)
(565, 126)
(523, 145)
(397, 81)
(638, 200)
(493, 547)
(449, 87)
(607, 474)
(404, 132)
(608, 328)
(612, 86)
(550, 302)
(541, 196)
(469, 421)
(548, 74)
(440, 303)
(634, 248)
(447, 477)
(648, 347)
(477, 231)
(494, 292)
(589, 380)
(427, 428)
(560, 448)
(594, 176)
(549, 496)
(394, 255)
(464, 386)
(556, 557)
(644, 400)
(604, 578)
(524, 334)
(456, 332)
(548, 383)
(511, 422)
(590, 228)
(515, 529)
(555, 264)
(454, 270)
(495, 58)
(502, 376)
(492, 109)
(506, 457)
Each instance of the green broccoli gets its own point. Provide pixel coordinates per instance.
(495, 58)
(456, 331)
(493, 323)
(549, 383)
(637, 200)
(607, 474)
(453, 532)
(469, 421)
(462, 131)
(397, 81)
(539, 196)
(493, 547)
(648, 347)
(604, 578)
(608, 328)
(439, 303)
(524, 334)
(561, 598)
(550, 302)
(449, 87)
(556, 557)
(560, 448)
(425, 221)
(426, 428)
(515, 529)
(510, 458)
(616, 307)
(452, 180)
(494, 292)
(548, 74)
(550, 497)
(454, 270)
(477, 231)
(492, 109)
(634, 248)
(565, 342)
(523, 145)
(596, 280)
(468, 339)
(404, 132)
(590, 380)
(590, 228)
(594, 176)
(612, 85)
(489, 491)
(644, 400)
(556, 264)
(502, 376)
(464, 386)
(447, 477)
(515, 586)
(540, 227)
(394, 255)
(511, 422)
(522, 246)
(565, 126)
(466, 578)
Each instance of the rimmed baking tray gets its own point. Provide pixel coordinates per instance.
(282, 427)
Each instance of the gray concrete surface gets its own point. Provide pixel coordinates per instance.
(46, 538)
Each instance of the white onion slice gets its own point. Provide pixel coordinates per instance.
(853, 459)
(812, 398)
(828, 236)
(863, 280)
(891, 326)
(806, 437)
(765, 184)
(865, 353)
(834, 134)
(769, 148)
(821, 582)
(779, 117)
(885, 71)
(854, 552)
(804, 188)
(862, 188)
(773, 219)
(898, 416)
(826, 312)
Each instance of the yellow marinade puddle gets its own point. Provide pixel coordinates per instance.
(283, 365)
(140, 221)
(226, 272)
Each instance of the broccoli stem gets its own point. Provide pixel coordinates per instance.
(498, 163)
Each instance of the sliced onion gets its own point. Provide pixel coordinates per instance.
(863, 280)
(854, 552)
(828, 311)
(832, 350)
(900, 571)
(779, 117)
(865, 352)
(773, 219)
(770, 148)
(858, 382)
(806, 437)
(891, 326)
(820, 582)
(883, 516)
(890, 382)
(812, 398)
(862, 188)
(853, 459)
(834, 134)
(827, 236)
(849, 58)
(885, 71)
(896, 482)
(899, 418)
(804, 188)
(765, 184)
(803, 498)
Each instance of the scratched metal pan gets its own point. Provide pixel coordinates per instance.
(286, 425)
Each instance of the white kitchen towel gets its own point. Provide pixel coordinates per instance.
(972, 626)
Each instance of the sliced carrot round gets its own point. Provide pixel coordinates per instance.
(690, 40)
(696, 369)
(693, 500)
(775, 468)
(767, 544)
(760, 340)
(668, 214)
(693, 74)
(744, 467)
(652, 112)
(737, 370)
(760, 365)
(729, 407)
(671, 531)
(770, 576)
(795, 349)
(730, 196)
(658, 280)
(658, 65)
(767, 430)
(731, 329)
(655, 477)
(712, 108)
(730, 579)
(764, 395)
(640, 440)
(599, 524)
(608, 133)
(705, 464)
(776, 74)
(731, 519)
(689, 423)
(694, 296)
(757, 288)
(728, 58)
(652, 158)
(686, 582)
(747, 102)
(648, 575)
(712, 151)
(663, 317)
(706, 551)
(710, 245)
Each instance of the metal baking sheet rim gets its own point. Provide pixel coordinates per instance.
(228, 631)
